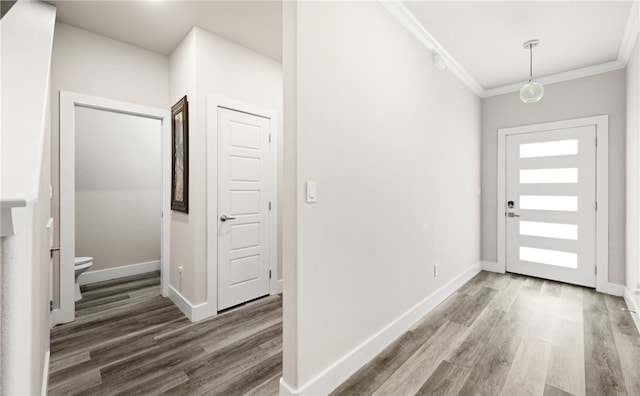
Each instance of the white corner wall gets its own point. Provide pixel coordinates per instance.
(590, 96)
(182, 78)
(394, 146)
(632, 284)
(27, 35)
(87, 63)
(205, 64)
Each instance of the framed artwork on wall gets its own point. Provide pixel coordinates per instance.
(180, 156)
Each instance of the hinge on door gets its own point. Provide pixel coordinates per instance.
(269, 138)
(596, 270)
(269, 205)
(269, 274)
(596, 206)
(50, 305)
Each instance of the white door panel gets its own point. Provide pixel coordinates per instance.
(551, 183)
(243, 181)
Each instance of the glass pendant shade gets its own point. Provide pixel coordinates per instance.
(532, 92)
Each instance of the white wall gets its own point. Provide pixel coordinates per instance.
(88, 63)
(27, 34)
(182, 69)
(584, 97)
(207, 64)
(394, 146)
(633, 176)
(118, 181)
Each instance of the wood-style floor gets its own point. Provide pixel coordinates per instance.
(127, 339)
(511, 335)
(497, 335)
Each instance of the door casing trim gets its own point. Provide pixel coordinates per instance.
(601, 123)
(68, 103)
(213, 103)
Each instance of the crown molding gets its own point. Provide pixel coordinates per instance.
(628, 42)
(630, 33)
(406, 18)
(556, 78)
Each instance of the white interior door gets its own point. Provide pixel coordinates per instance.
(550, 204)
(243, 207)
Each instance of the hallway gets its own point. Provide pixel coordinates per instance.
(498, 334)
(511, 335)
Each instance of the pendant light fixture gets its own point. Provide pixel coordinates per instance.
(532, 91)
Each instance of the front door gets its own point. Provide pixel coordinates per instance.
(550, 204)
(243, 207)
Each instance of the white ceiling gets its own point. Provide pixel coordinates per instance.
(484, 37)
(160, 25)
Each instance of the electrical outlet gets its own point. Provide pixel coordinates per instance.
(180, 271)
(435, 270)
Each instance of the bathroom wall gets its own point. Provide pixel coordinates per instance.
(118, 182)
(91, 64)
(583, 97)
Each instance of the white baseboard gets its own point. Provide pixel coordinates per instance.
(334, 375)
(613, 289)
(118, 272)
(45, 374)
(276, 287)
(285, 389)
(631, 304)
(195, 313)
(492, 267)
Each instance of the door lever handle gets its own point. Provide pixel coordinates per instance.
(224, 218)
(511, 214)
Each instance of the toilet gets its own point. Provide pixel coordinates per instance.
(81, 264)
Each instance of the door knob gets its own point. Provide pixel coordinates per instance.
(225, 218)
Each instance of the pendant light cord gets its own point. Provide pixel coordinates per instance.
(530, 62)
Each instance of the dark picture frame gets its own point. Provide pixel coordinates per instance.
(180, 156)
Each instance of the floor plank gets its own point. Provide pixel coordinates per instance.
(497, 357)
(446, 380)
(550, 390)
(602, 364)
(529, 368)
(410, 377)
(271, 387)
(621, 321)
(628, 348)
(369, 378)
(566, 359)
(470, 350)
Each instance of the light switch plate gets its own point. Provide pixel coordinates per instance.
(311, 192)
